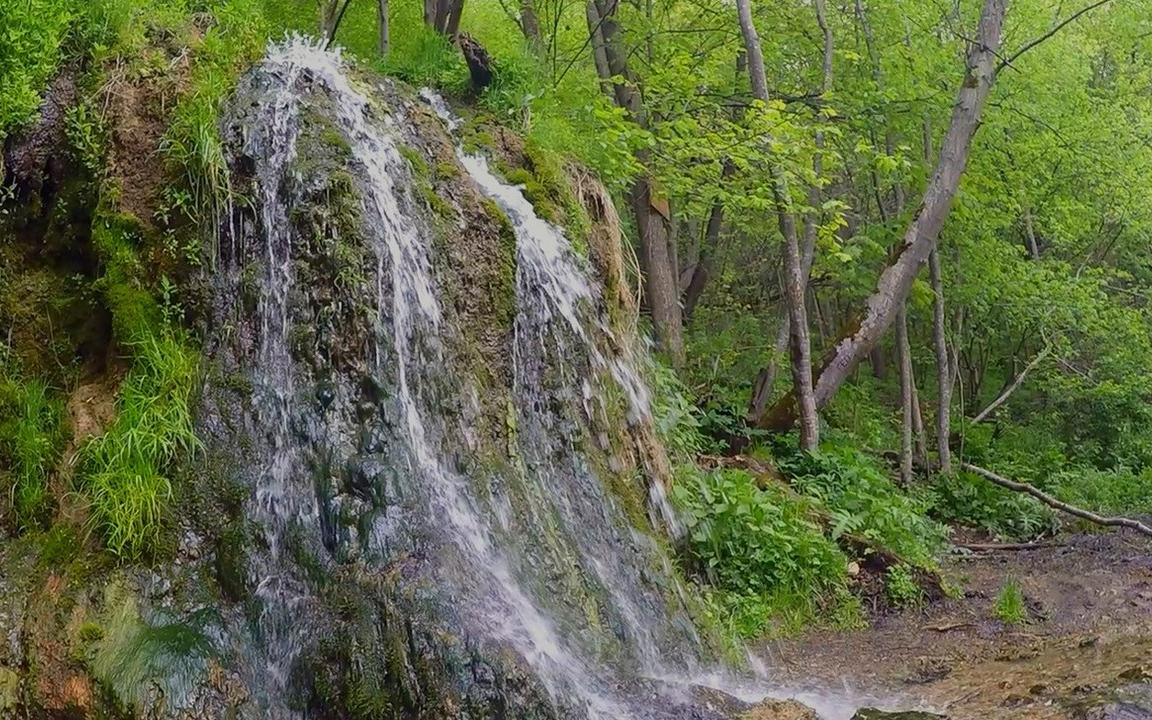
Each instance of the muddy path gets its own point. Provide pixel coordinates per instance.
(1086, 642)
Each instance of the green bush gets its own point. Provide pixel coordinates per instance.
(761, 549)
(968, 500)
(864, 501)
(31, 35)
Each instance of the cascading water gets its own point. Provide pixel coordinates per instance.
(368, 454)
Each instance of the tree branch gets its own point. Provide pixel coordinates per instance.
(1007, 62)
(983, 415)
(1057, 504)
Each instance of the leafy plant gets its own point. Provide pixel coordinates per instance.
(901, 587)
(1010, 607)
(761, 549)
(31, 434)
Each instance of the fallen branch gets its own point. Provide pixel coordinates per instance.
(983, 547)
(1057, 504)
(983, 415)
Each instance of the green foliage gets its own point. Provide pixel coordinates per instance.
(901, 587)
(192, 143)
(1010, 607)
(30, 48)
(864, 501)
(969, 500)
(762, 550)
(125, 470)
(31, 436)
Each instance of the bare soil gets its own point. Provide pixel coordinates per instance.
(1089, 630)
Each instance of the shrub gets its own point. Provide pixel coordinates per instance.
(864, 501)
(761, 550)
(901, 587)
(1010, 607)
(965, 499)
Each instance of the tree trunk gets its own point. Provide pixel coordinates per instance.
(702, 270)
(382, 33)
(1030, 236)
(943, 366)
(328, 11)
(529, 23)
(921, 235)
(904, 353)
(795, 281)
(661, 286)
(455, 9)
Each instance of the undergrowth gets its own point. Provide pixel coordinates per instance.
(31, 435)
(126, 470)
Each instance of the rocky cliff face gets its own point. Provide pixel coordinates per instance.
(427, 482)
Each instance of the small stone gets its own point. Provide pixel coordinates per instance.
(780, 710)
(853, 569)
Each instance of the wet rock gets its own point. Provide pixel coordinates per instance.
(1131, 702)
(780, 710)
(874, 714)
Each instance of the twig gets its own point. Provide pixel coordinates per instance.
(1007, 62)
(1057, 504)
(1012, 388)
(1006, 546)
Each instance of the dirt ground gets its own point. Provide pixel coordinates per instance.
(1089, 632)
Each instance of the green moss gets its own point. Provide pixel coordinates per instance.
(416, 161)
(117, 239)
(232, 561)
(505, 292)
(133, 658)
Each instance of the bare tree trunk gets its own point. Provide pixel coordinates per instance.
(661, 286)
(795, 281)
(328, 10)
(383, 40)
(921, 235)
(1030, 236)
(529, 23)
(904, 352)
(943, 369)
(919, 435)
(702, 271)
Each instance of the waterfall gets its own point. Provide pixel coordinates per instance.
(540, 557)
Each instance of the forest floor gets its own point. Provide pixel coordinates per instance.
(1087, 637)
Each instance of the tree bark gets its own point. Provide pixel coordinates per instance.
(921, 235)
(529, 23)
(1030, 236)
(795, 280)
(702, 270)
(661, 286)
(383, 40)
(943, 366)
(904, 352)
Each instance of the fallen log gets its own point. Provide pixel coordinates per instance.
(1057, 504)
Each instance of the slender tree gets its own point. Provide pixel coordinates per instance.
(921, 235)
(650, 210)
(795, 275)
